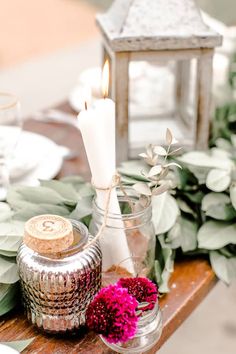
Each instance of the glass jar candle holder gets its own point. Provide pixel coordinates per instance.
(58, 287)
(148, 333)
(135, 221)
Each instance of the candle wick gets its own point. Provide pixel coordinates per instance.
(86, 105)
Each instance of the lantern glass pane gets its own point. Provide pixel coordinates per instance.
(161, 95)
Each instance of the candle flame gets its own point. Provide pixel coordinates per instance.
(105, 79)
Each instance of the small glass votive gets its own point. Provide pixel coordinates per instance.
(57, 287)
(148, 334)
(149, 322)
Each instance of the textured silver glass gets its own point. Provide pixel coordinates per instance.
(57, 289)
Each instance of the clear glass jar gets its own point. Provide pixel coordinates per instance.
(148, 333)
(135, 221)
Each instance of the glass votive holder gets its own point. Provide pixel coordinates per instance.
(149, 327)
(148, 333)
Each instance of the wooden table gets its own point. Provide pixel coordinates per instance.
(191, 281)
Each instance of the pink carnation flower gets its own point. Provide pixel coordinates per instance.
(112, 314)
(143, 289)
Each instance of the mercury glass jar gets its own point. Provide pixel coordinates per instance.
(135, 221)
(148, 333)
(58, 287)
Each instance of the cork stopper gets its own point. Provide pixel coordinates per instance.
(48, 234)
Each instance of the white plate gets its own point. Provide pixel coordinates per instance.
(43, 153)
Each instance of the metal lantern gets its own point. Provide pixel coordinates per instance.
(171, 36)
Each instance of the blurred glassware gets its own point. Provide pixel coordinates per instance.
(10, 129)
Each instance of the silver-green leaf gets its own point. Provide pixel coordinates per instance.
(214, 235)
(218, 180)
(225, 268)
(233, 194)
(165, 212)
(19, 345)
(8, 270)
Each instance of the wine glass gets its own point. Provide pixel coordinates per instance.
(10, 129)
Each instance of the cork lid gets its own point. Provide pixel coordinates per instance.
(48, 234)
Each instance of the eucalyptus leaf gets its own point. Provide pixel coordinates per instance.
(8, 271)
(26, 213)
(128, 181)
(5, 212)
(4, 207)
(200, 172)
(218, 180)
(200, 163)
(168, 256)
(174, 236)
(214, 235)
(8, 297)
(161, 189)
(165, 212)
(164, 241)
(186, 179)
(184, 235)
(143, 155)
(184, 207)
(233, 194)
(214, 199)
(225, 268)
(11, 228)
(223, 144)
(133, 169)
(81, 187)
(195, 197)
(19, 345)
(233, 137)
(220, 153)
(10, 243)
(205, 159)
(74, 180)
(222, 212)
(226, 252)
(155, 170)
(85, 190)
(173, 164)
(83, 209)
(35, 195)
(66, 190)
(8, 253)
(157, 271)
(159, 150)
(218, 206)
(169, 137)
(142, 188)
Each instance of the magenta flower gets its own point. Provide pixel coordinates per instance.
(143, 289)
(112, 314)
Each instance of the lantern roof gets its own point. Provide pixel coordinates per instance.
(134, 25)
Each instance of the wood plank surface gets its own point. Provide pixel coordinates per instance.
(190, 282)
